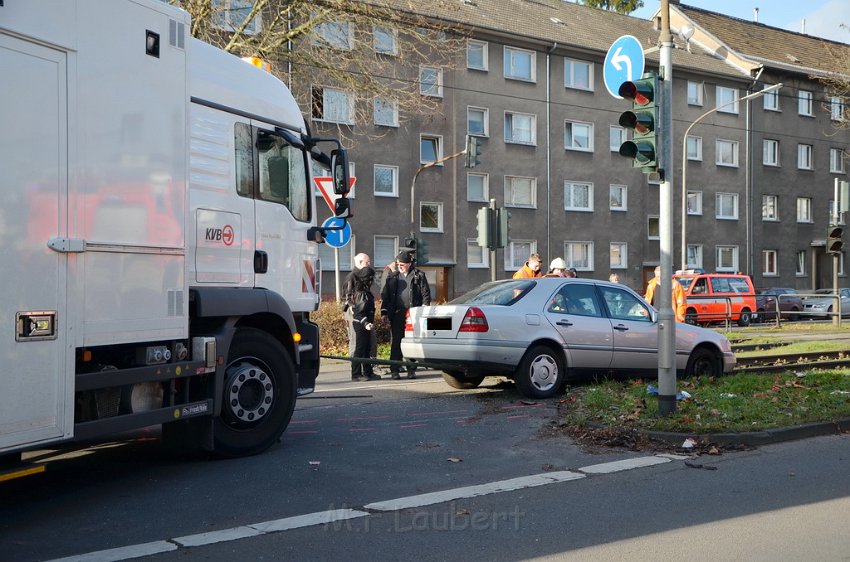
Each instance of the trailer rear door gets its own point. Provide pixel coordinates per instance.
(35, 355)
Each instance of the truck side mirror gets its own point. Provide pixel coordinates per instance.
(339, 170)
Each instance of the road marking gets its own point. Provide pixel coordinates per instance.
(330, 516)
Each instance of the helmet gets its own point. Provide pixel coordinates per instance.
(557, 263)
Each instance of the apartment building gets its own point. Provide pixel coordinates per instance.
(760, 173)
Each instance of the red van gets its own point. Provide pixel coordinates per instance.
(716, 297)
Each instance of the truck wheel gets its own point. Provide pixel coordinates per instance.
(703, 362)
(540, 373)
(744, 318)
(457, 380)
(259, 395)
(691, 317)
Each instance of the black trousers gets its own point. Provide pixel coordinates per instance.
(362, 347)
(396, 334)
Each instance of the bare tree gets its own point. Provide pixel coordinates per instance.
(362, 50)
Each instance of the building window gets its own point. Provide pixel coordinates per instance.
(801, 263)
(520, 128)
(231, 14)
(579, 255)
(618, 197)
(386, 181)
(694, 202)
(578, 196)
(478, 121)
(476, 55)
(578, 136)
(519, 64)
(727, 206)
(727, 153)
(727, 100)
(385, 112)
(336, 34)
(430, 217)
(768, 260)
(333, 106)
(520, 192)
(385, 40)
(619, 255)
(386, 249)
(727, 258)
(770, 207)
(430, 148)
(694, 256)
(431, 81)
(477, 187)
(836, 108)
(616, 137)
(770, 152)
(652, 228)
(771, 100)
(694, 93)
(836, 160)
(804, 209)
(578, 74)
(804, 157)
(694, 147)
(804, 103)
(476, 256)
(328, 259)
(517, 253)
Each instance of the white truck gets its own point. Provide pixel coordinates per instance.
(159, 232)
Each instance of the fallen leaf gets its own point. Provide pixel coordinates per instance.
(714, 451)
(462, 512)
(454, 459)
(315, 464)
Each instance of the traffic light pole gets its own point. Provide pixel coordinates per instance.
(666, 318)
(493, 242)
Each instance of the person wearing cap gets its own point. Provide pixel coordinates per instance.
(531, 268)
(558, 268)
(405, 288)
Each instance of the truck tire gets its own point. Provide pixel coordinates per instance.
(456, 380)
(259, 395)
(744, 318)
(540, 373)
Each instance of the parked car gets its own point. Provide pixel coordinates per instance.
(716, 297)
(821, 307)
(790, 304)
(540, 331)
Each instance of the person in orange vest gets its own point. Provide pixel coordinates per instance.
(530, 269)
(679, 305)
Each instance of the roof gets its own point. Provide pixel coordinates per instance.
(771, 46)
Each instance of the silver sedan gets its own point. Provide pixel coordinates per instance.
(539, 331)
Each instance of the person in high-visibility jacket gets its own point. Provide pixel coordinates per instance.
(679, 304)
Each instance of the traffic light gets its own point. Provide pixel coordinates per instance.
(473, 151)
(834, 243)
(421, 251)
(642, 120)
(485, 234)
(503, 227)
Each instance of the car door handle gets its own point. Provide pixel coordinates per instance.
(564, 323)
(621, 328)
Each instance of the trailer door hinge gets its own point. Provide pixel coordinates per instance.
(67, 245)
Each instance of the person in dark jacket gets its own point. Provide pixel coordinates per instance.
(363, 313)
(360, 261)
(402, 290)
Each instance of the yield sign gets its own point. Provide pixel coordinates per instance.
(325, 185)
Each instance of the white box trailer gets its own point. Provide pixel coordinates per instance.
(159, 224)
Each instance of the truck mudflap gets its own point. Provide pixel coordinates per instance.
(308, 357)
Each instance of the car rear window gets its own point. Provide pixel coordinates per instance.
(501, 292)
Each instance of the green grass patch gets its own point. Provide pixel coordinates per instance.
(734, 403)
(798, 347)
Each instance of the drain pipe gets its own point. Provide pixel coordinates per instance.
(549, 152)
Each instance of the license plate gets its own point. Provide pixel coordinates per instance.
(439, 324)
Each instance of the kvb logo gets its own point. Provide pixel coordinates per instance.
(220, 235)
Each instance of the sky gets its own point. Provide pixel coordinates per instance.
(823, 17)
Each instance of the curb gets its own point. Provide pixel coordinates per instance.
(756, 438)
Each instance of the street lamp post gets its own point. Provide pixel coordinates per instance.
(753, 95)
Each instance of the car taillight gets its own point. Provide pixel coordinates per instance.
(474, 321)
(408, 325)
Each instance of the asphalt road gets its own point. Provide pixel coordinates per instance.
(372, 456)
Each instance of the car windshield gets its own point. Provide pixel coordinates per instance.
(500, 292)
(685, 282)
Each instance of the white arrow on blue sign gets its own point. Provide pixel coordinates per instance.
(337, 238)
(624, 62)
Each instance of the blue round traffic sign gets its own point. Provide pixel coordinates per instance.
(624, 62)
(337, 238)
